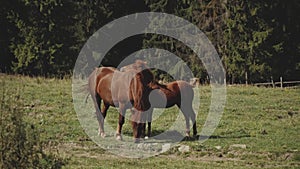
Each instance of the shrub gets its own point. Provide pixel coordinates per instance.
(20, 146)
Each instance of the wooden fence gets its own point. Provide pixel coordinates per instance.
(280, 84)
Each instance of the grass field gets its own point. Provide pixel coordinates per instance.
(259, 128)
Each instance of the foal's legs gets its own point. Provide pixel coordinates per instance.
(187, 124)
(187, 110)
(193, 118)
(187, 120)
(189, 113)
(122, 111)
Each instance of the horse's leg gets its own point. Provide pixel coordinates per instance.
(138, 120)
(104, 111)
(149, 120)
(143, 126)
(184, 110)
(193, 118)
(122, 111)
(100, 118)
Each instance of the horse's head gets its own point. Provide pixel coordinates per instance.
(140, 88)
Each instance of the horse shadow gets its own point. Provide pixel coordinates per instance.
(170, 136)
(175, 136)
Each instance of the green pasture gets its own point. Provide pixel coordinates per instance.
(260, 128)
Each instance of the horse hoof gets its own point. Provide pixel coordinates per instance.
(119, 137)
(103, 135)
(187, 135)
(136, 140)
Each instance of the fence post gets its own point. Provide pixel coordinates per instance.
(246, 77)
(281, 83)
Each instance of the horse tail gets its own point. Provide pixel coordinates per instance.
(91, 85)
(84, 88)
(88, 87)
(86, 97)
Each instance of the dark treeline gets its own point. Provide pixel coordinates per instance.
(256, 40)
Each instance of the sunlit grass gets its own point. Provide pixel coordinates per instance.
(266, 120)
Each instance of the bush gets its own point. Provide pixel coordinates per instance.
(20, 145)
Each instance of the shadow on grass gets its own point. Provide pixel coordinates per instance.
(176, 136)
(221, 137)
(172, 136)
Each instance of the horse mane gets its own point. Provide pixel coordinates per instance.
(141, 91)
(161, 85)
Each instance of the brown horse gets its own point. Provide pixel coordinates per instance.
(178, 93)
(124, 90)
